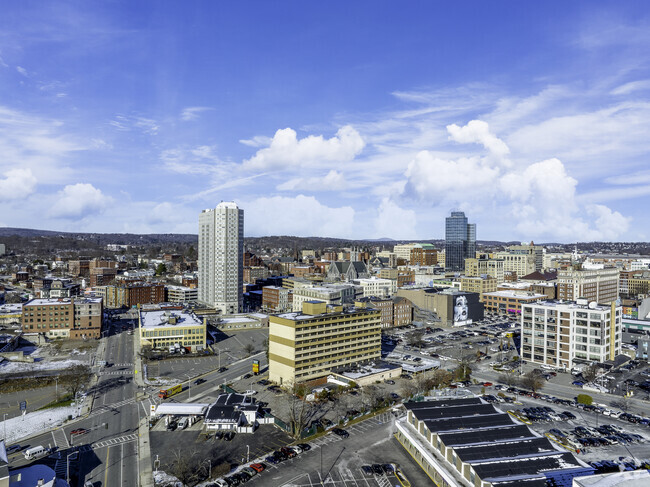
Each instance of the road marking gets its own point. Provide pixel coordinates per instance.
(108, 454)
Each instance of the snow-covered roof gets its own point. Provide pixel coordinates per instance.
(183, 408)
(152, 319)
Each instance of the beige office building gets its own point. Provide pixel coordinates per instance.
(307, 345)
(600, 285)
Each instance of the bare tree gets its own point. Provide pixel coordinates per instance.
(590, 373)
(408, 388)
(75, 378)
(532, 380)
(415, 338)
(509, 378)
(249, 348)
(439, 378)
(623, 403)
(300, 410)
(186, 467)
(463, 371)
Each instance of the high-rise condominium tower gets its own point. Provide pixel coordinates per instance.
(460, 241)
(221, 248)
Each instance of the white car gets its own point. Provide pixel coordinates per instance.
(250, 392)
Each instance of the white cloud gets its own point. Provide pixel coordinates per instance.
(286, 150)
(196, 160)
(539, 199)
(332, 181)
(17, 184)
(22, 71)
(298, 216)
(79, 200)
(257, 141)
(129, 123)
(429, 177)
(631, 87)
(478, 132)
(395, 222)
(192, 113)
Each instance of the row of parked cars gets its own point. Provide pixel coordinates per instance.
(544, 414)
(604, 435)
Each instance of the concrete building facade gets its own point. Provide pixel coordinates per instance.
(556, 333)
(221, 248)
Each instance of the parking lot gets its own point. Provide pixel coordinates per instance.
(230, 348)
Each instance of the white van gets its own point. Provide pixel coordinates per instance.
(182, 424)
(36, 452)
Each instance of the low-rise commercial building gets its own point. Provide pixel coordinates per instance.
(308, 345)
(277, 299)
(377, 287)
(335, 294)
(481, 285)
(182, 294)
(132, 294)
(557, 333)
(162, 329)
(466, 443)
(509, 303)
(70, 318)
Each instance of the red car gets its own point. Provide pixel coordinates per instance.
(79, 431)
(258, 467)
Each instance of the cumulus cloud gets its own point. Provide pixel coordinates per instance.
(17, 184)
(286, 150)
(300, 216)
(22, 71)
(478, 132)
(79, 200)
(394, 222)
(333, 181)
(539, 198)
(192, 113)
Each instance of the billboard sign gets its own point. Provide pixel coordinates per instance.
(256, 367)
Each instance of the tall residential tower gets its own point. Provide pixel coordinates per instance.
(221, 248)
(460, 241)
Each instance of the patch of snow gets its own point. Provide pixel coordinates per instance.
(166, 480)
(38, 422)
(13, 367)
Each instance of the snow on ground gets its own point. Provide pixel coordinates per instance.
(8, 367)
(165, 479)
(38, 422)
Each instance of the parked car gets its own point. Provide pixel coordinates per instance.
(340, 432)
(304, 446)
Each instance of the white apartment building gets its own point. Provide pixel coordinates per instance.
(221, 249)
(334, 294)
(383, 288)
(182, 294)
(556, 333)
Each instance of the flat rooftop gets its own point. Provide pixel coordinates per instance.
(516, 294)
(153, 319)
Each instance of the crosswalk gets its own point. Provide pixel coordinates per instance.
(60, 439)
(116, 372)
(118, 440)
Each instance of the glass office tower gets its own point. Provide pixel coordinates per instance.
(460, 241)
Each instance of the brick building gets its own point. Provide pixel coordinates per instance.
(75, 318)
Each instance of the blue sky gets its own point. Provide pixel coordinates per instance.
(343, 119)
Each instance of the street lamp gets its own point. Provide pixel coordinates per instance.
(248, 453)
(67, 461)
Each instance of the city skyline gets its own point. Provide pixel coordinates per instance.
(372, 123)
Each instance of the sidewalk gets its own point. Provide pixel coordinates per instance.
(144, 448)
